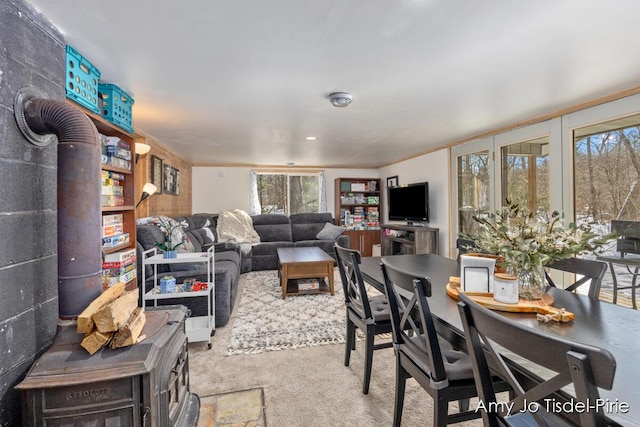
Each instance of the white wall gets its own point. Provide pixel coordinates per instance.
(433, 168)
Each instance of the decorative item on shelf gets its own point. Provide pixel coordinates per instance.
(167, 285)
(168, 228)
(141, 150)
(528, 242)
(187, 284)
(392, 181)
(147, 190)
(199, 286)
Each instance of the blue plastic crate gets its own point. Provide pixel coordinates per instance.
(82, 81)
(116, 105)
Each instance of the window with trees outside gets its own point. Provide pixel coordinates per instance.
(288, 193)
(607, 171)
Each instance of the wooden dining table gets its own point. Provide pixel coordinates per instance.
(597, 323)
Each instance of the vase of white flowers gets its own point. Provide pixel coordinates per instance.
(169, 227)
(528, 242)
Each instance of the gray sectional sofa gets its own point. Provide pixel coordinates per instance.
(232, 259)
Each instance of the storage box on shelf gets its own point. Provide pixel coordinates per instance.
(82, 80)
(116, 105)
(358, 208)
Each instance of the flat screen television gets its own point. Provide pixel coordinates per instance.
(409, 202)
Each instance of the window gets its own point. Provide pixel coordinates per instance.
(525, 174)
(288, 193)
(607, 171)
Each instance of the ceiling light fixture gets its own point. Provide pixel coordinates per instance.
(340, 99)
(311, 138)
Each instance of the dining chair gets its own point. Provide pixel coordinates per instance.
(488, 334)
(592, 273)
(369, 314)
(443, 371)
(465, 246)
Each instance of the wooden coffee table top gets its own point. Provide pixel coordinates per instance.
(302, 255)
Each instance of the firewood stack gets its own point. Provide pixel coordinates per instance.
(112, 319)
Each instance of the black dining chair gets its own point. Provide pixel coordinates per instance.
(444, 372)
(489, 333)
(369, 314)
(592, 273)
(465, 246)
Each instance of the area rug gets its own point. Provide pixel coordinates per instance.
(266, 322)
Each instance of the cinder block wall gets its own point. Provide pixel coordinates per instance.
(31, 53)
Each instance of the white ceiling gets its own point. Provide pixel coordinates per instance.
(225, 82)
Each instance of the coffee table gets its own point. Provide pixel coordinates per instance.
(304, 263)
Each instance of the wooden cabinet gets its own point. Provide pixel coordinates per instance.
(128, 208)
(363, 240)
(406, 239)
(358, 204)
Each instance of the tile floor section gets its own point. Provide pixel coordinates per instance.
(238, 409)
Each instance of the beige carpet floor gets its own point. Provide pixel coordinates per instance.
(308, 386)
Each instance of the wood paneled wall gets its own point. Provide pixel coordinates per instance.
(163, 204)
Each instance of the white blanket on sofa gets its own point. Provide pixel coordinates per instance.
(236, 226)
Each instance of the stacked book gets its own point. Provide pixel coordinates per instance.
(112, 193)
(116, 152)
(119, 267)
(113, 231)
(306, 285)
(373, 217)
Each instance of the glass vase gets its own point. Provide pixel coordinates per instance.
(531, 283)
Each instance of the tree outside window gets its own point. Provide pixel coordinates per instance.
(288, 193)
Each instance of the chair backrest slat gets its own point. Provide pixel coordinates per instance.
(355, 292)
(420, 335)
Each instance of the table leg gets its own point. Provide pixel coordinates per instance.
(633, 288)
(283, 280)
(330, 276)
(615, 283)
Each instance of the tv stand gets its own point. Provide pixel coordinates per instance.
(399, 239)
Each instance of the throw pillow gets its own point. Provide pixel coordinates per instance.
(209, 232)
(330, 232)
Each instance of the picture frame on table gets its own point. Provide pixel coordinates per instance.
(392, 181)
(156, 173)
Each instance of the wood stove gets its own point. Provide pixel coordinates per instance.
(146, 384)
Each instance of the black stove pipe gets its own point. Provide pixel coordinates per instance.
(79, 212)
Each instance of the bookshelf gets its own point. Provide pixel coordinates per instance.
(358, 207)
(126, 206)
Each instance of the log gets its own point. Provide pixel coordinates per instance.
(114, 315)
(129, 333)
(95, 340)
(85, 320)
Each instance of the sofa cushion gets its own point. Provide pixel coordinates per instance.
(269, 248)
(330, 232)
(272, 227)
(305, 226)
(205, 225)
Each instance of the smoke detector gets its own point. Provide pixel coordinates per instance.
(340, 99)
